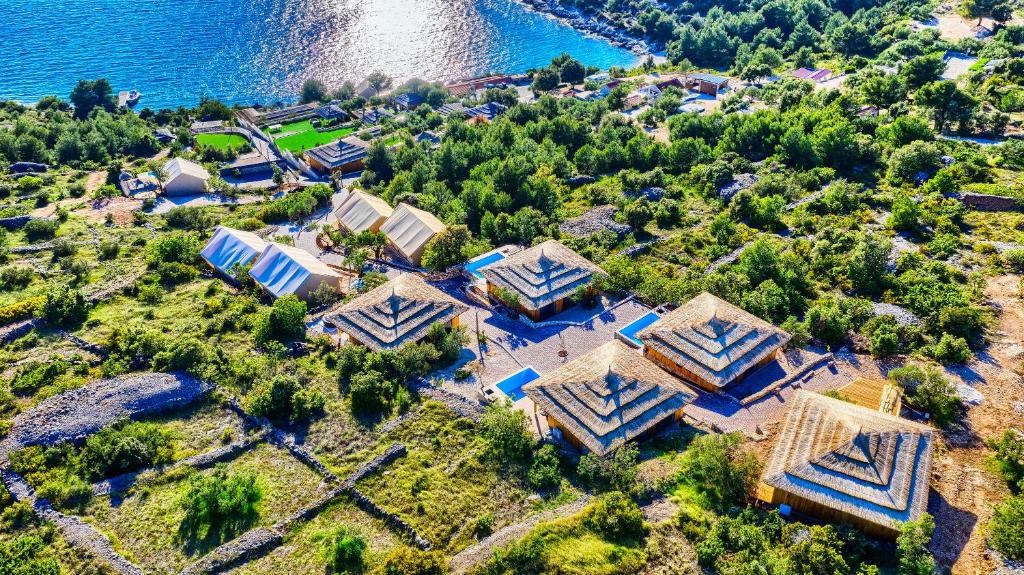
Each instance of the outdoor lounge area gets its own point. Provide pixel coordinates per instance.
(841, 462)
(399, 312)
(540, 280)
(607, 397)
(711, 343)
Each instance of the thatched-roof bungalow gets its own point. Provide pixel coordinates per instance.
(361, 212)
(543, 277)
(841, 462)
(712, 343)
(608, 397)
(396, 313)
(409, 229)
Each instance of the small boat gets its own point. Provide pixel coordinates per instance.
(133, 97)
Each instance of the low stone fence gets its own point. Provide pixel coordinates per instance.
(391, 520)
(15, 222)
(11, 332)
(989, 203)
(457, 403)
(249, 545)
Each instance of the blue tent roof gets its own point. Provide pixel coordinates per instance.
(228, 247)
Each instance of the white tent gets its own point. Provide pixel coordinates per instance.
(409, 229)
(184, 178)
(229, 247)
(361, 212)
(283, 270)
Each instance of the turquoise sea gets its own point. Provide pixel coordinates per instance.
(249, 51)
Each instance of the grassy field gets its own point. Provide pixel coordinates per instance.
(144, 526)
(221, 141)
(301, 136)
(301, 552)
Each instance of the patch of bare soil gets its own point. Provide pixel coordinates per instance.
(963, 490)
(94, 180)
(119, 207)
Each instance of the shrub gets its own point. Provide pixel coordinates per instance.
(20, 310)
(545, 472)
(150, 294)
(951, 349)
(616, 471)
(483, 526)
(27, 554)
(409, 561)
(912, 547)
(15, 277)
(179, 247)
(1005, 530)
(1008, 459)
(506, 432)
(176, 273)
(343, 550)
(35, 376)
(124, 447)
(827, 322)
(370, 392)
(64, 305)
(40, 229)
(282, 399)
(66, 492)
(718, 467)
(616, 517)
(185, 354)
(1015, 259)
(218, 505)
(926, 389)
(285, 321)
(189, 218)
(109, 249)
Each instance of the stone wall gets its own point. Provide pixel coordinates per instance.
(989, 203)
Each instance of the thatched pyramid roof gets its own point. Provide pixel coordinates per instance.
(713, 339)
(860, 461)
(609, 396)
(542, 274)
(396, 313)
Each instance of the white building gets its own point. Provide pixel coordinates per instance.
(230, 247)
(184, 178)
(409, 229)
(361, 212)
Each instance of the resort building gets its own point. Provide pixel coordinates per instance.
(263, 117)
(711, 343)
(283, 270)
(841, 462)
(409, 229)
(145, 183)
(710, 84)
(343, 156)
(229, 248)
(396, 313)
(813, 75)
(542, 278)
(486, 112)
(362, 212)
(408, 101)
(607, 397)
(252, 164)
(184, 178)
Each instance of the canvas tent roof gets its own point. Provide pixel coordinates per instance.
(859, 461)
(362, 211)
(180, 166)
(396, 313)
(229, 247)
(542, 274)
(409, 230)
(713, 339)
(609, 396)
(284, 270)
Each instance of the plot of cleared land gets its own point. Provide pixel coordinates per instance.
(221, 141)
(301, 136)
(144, 526)
(200, 428)
(300, 553)
(446, 483)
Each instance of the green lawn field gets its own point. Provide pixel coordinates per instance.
(301, 136)
(221, 141)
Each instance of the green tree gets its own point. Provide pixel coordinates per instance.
(912, 547)
(506, 431)
(719, 467)
(89, 95)
(545, 469)
(545, 80)
(379, 81)
(64, 306)
(922, 70)
(219, 505)
(926, 389)
(344, 550)
(906, 214)
(286, 320)
(313, 91)
(1008, 459)
(1005, 529)
(868, 264)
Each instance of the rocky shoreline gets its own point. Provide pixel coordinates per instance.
(591, 25)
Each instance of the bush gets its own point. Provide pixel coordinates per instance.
(285, 321)
(40, 229)
(506, 432)
(409, 561)
(109, 249)
(27, 555)
(912, 547)
(176, 247)
(15, 277)
(189, 218)
(951, 349)
(1008, 459)
(616, 471)
(64, 306)
(219, 506)
(66, 492)
(185, 354)
(124, 447)
(718, 467)
(282, 399)
(545, 471)
(344, 550)
(150, 294)
(21, 310)
(370, 392)
(175, 273)
(35, 376)
(926, 389)
(1005, 531)
(616, 517)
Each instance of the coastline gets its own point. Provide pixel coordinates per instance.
(589, 25)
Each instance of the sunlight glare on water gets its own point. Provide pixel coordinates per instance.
(246, 51)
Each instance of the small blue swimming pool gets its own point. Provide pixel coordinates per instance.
(513, 384)
(629, 332)
(474, 266)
